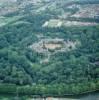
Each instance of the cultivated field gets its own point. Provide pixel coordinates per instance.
(54, 23)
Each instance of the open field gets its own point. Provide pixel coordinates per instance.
(54, 23)
(7, 20)
(78, 23)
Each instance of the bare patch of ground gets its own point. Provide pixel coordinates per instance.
(52, 46)
(55, 45)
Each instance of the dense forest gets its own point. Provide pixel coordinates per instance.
(72, 72)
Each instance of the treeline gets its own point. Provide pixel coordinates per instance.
(55, 90)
